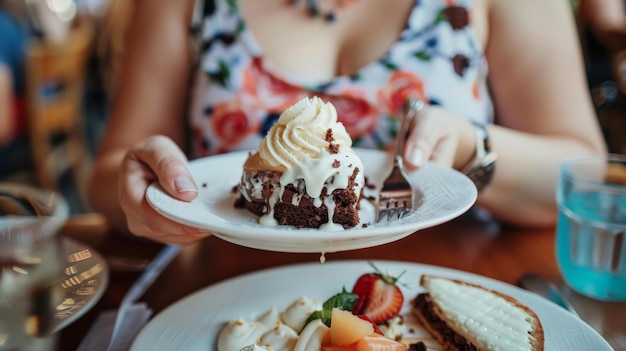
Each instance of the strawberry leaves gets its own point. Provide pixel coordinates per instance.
(344, 300)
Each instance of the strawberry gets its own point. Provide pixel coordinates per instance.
(362, 289)
(379, 298)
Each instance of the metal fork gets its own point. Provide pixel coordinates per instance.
(396, 196)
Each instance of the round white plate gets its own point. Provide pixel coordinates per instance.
(443, 192)
(194, 322)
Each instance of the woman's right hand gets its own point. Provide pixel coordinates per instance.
(156, 159)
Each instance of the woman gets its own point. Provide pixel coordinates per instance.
(255, 57)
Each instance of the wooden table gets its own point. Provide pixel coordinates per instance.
(467, 243)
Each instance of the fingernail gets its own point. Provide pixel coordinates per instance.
(416, 156)
(184, 185)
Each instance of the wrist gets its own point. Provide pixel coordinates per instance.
(466, 147)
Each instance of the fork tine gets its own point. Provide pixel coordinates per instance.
(405, 212)
(403, 208)
(394, 215)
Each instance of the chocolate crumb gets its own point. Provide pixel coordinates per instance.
(365, 225)
(333, 148)
(329, 135)
(336, 164)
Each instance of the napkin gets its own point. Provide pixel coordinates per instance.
(97, 339)
(118, 329)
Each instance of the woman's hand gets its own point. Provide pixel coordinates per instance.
(441, 137)
(157, 158)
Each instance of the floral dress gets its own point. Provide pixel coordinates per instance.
(238, 95)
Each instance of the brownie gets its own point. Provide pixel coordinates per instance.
(295, 207)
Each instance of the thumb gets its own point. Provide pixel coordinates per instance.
(420, 141)
(169, 165)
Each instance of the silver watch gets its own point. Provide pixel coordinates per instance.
(480, 170)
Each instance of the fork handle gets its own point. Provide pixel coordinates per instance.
(410, 109)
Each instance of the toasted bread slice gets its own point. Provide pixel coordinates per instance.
(465, 316)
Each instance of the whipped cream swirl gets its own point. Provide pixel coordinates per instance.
(301, 132)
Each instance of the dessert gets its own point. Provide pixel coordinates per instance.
(464, 316)
(305, 325)
(305, 173)
(450, 315)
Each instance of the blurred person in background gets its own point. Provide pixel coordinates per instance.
(603, 25)
(513, 68)
(606, 20)
(13, 44)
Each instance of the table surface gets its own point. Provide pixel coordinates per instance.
(467, 243)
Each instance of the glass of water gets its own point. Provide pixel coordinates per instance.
(590, 243)
(30, 263)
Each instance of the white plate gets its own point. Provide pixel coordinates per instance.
(445, 194)
(194, 322)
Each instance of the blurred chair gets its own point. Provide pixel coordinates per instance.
(55, 80)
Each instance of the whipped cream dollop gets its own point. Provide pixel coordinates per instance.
(240, 333)
(274, 330)
(281, 337)
(297, 313)
(307, 143)
(303, 132)
(312, 336)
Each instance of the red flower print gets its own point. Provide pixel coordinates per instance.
(232, 124)
(354, 111)
(476, 93)
(401, 85)
(266, 91)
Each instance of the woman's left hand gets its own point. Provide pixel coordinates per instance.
(441, 137)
